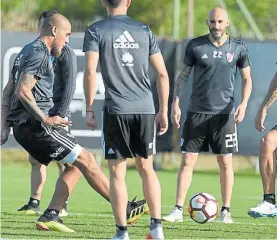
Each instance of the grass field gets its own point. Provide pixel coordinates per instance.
(91, 216)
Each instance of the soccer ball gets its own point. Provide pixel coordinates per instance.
(203, 207)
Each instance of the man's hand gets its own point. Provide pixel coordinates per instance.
(176, 115)
(161, 122)
(259, 120)
(57, 121)
(240, 113)
(90, 120)
(5, 132)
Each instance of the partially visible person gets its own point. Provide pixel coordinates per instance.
(124, 47)
(65, 70)
(267, 159)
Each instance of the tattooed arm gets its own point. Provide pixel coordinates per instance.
(180, 83)
(270, 97)
(24, 93)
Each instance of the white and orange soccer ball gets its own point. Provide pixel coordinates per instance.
(203, 207)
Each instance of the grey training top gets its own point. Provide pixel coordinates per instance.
(215, 71)
(33, 59)
(124, 47)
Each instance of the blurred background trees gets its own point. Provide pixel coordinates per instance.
(158, 14)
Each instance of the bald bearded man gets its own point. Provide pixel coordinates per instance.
(211, 118)
(27, 99)
(26, 104)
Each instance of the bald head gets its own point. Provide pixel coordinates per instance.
(56, 29)
(55, 20)
(219, 13)
(217, 22)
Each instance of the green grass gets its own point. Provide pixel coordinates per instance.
(91, 216)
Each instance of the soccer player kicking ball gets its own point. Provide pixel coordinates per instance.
(65, 70)
(124, 46)
(26, 103)
(268, 146)
(211, 119)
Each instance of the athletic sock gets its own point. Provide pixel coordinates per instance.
(270, 198)
(52, 211)
(225, 208)
(179, 207)
(33, 202)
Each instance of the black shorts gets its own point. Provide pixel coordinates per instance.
(128, 135)
(47, 143)
(203, 130)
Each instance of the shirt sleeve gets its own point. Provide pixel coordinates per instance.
(68, 65)
(153, 43)
(36, 63)
(91, 40)
(189, 58)
(244, 58)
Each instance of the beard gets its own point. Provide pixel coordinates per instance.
(215, 35)
(55, 52)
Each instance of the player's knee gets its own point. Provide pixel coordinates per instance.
(144, 166)
(269, 139)
(268, 143)
(68, 168)
(84, 158)
(35, 164)
(85, 161)
(188, 160)
(116, 173)
(226, 165)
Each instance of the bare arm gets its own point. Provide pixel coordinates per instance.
(180, 83)
(246, 84)
(5, 108)
(6, 101)
(90, 78)
(271, 95)
(158, 64)
(24, 93)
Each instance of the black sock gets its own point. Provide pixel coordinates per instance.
(225, 208)
(156, 221)
(52, 211)
(270, 198)
(121, 228)
(179, 207)
(33, 202)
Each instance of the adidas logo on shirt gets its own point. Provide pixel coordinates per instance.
(204, 56)
(125, 40)
(111, 151)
